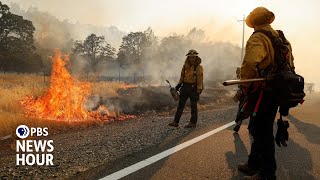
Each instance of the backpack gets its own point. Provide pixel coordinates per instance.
(285, 83)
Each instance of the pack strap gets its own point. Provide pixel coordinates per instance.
(275, 41)
(195, 73)
(281, 35)
(272, 37)
(267, 33)
(194, 78)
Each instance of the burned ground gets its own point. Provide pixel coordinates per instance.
(150, 98)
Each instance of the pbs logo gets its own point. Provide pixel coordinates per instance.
(22, 131)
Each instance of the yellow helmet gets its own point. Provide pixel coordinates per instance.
(260, 16)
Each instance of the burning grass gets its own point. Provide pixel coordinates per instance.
(16, 87)
(111, 98)
(65, 98)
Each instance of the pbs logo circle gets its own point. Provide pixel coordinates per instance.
(22, 131)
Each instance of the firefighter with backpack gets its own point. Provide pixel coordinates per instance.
(262, 59)
(190, 86)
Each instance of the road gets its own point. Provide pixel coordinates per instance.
(217, 156)
(96, 152)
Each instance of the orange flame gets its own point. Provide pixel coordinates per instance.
(65, 98)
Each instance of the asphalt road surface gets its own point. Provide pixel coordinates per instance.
(217, 156)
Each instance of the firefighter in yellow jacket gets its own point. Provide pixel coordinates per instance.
(258, 62)
(190, 86)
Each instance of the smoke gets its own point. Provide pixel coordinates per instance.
(93, 102)
(79, 65)
(219, 59)
(52, 32)
(164, 61)
(150, 99)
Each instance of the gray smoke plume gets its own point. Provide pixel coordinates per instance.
(52, 32)
(219, 59)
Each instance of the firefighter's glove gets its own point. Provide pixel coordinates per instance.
(282, 134)
(178, 86)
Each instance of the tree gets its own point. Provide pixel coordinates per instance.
(196, 35)
(95, 49)
(150, 45)
(130, 49)
(16, 41)
(16, 33)
(174, 47)
(136, 47)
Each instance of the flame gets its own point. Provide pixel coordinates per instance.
(65, 98)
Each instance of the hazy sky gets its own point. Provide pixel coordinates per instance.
(297, 18)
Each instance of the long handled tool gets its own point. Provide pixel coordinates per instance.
(233, 82)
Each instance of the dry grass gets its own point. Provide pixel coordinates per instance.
(12, 88)
(109, 89)
(16, 86)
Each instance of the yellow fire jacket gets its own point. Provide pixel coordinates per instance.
(259, 53)
(187, 74)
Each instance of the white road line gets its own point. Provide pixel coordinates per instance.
(135, 167)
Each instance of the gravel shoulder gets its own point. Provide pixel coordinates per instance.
(78, 151)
